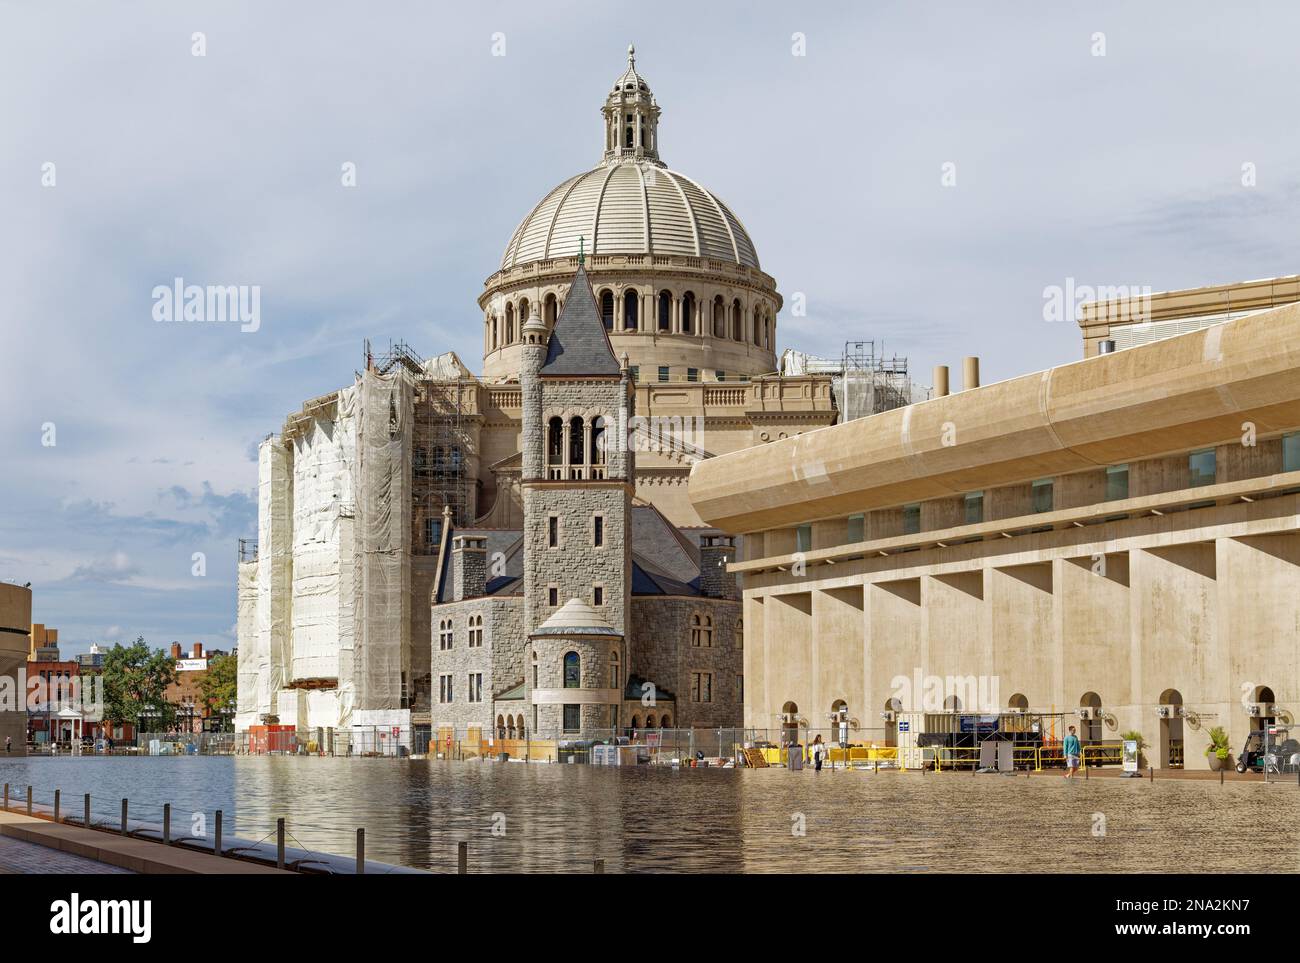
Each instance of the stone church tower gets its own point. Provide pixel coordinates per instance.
(577, 482)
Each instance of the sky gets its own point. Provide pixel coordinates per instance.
(920, 172)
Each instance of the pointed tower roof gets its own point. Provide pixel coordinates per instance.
(579, 344)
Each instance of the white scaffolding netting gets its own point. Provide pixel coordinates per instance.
(382, 536)
(274, 564)
(323, 453)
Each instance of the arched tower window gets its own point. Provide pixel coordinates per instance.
(615, 671)
(665, 311)
(607, 309)
(555, 441)
(631, 301)
(598, 441)
(577, 456)
(572, 671)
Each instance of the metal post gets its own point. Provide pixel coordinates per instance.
(279, 843)
(29, 800)
(462, 858)
(167, 824)
(123, 817)
(6, 795)
(1151, 772)
(86, 819)
(56, 804)
(361, 852)
(599, 867)
(216, 846)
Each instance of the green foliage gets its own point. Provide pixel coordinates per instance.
(1136, 737)
(219, 685)
(1218, 743)
(135, 679)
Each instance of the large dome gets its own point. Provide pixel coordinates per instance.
(674, 272)
(632, 207)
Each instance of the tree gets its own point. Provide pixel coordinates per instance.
(135, 681)
(219, 685)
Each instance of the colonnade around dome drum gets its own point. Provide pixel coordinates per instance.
(687, 310)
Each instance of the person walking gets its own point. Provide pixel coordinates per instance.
(9, 741)
(1072, 753)
(818, 751)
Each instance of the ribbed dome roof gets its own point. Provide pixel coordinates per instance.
(630, 208)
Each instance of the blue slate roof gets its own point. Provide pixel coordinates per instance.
(579, 344)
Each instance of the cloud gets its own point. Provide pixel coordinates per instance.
(116, 567)
(1068, 165)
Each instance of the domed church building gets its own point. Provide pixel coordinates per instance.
(442, 553)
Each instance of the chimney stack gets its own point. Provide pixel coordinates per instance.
(940, 380)
(198, 650)
(468, 566)
(715, 581)
(176, 650)
(970, 368)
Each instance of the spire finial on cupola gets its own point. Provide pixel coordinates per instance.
(631, 118)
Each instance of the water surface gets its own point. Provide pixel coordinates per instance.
(548, 818)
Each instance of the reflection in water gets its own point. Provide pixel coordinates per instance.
(561, 818)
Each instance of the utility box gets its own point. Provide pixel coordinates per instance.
(794, 757)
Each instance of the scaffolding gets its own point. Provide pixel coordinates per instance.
(863, 379)
(442, 475)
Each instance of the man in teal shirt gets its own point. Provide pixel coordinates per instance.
(1072, 753)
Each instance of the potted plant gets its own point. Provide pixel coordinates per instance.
(1136, 736)
(1217, 751)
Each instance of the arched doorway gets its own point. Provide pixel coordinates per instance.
(892, 708)
(1171, 729)
(1089, 718)
(839, 722)
(789, 724)
(1262, 714)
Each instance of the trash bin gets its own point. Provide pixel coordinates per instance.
(794, 757)
(504, 757)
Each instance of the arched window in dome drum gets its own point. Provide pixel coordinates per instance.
(737, 321)
(549, 310)
(607, 309)
(665, 311)
(631, 301)
(510, 324)
(688, 311)
(494, 332)
(719, 318)
(758, 328)
(523, 314)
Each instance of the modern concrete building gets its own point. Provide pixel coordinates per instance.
(15, 642)
(1116, 540)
